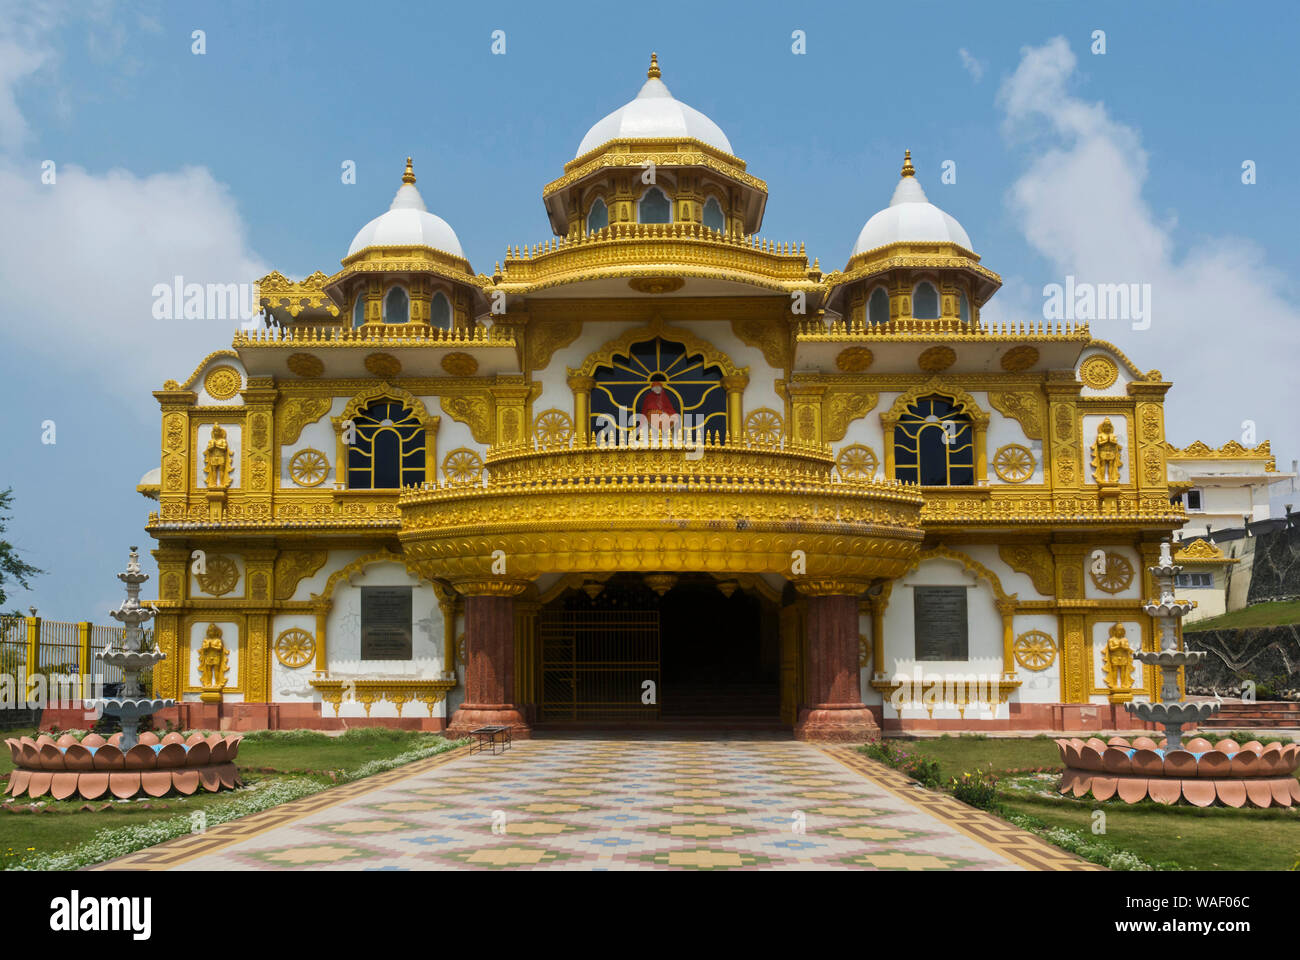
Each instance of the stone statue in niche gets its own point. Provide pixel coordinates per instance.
(214, 663)
(1106, 454)
(216, 460)
(1118, 661)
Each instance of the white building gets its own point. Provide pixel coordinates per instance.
(1225, 488)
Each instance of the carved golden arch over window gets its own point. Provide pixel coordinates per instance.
(386, 391)
(937, 385)
(582, 379)
(323, 601)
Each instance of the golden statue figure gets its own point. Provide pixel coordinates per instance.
(1118, 661)
(216, 460)
(1106, 454)
(214, 664)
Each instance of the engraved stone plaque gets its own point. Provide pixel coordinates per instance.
(940, 619)
(385, 623)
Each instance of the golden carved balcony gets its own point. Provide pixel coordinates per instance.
(374, 335)
(656, 250)
(721, 507)
(943, 331)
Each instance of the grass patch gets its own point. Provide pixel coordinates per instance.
(1274, 613)
(277, 766)
(1139, 836)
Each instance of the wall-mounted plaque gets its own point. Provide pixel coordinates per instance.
(385, 623)
(940, 622)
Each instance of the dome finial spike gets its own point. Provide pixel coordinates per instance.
(653, 72)
(409, 175)
(908, 169)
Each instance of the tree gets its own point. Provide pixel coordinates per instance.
(12, 566)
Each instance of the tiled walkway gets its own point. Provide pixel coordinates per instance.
(585, 804)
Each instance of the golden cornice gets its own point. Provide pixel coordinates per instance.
(917, 256)
(940, 331)
(371, 336)
(1201, 551)
(623, 153)
(408, 258)
(277, 290)
(1232, 450)
(955, 505)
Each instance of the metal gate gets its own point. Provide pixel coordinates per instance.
(594, 664)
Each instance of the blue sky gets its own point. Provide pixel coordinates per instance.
(1125, 167)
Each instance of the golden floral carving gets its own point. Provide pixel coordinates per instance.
(1035, 561)
(383, 365)
(1064, 423)
(175, 431)
(1098, 372)
(854, 359)
(474, 410)
(460, 364)
(258, 432)
(545, 337)
(292, 567)
(222, 382)
(656, 284)
(257, 586)
(771, 338)
(841, 408)
(937, 359)
(305, 365)
(1023, 407)
(1019, 358)
(297, 412)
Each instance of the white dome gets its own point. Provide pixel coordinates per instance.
(654, 114)
(910, 217)
(408, 223)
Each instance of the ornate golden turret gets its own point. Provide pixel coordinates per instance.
(653, 72)
(409, 175)
(908, 169)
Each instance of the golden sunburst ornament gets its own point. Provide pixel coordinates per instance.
(1014, 463)
(462, 466)
(295, 648)
(763, 426)
(222, 382)
(1111, 572)
(1098, 372)
(856, 462)
(1035, 650)
(309, 468)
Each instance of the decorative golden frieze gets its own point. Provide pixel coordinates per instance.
(473, 410)
(368, 692)
(1036, 561)
(296, 412)
(772, 337)
(1022, 406)
(293, 566)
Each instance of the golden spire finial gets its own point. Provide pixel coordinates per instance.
(653, 72)
(908, 169)
(409, 175)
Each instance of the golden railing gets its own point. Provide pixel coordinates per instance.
(815, 331)
(375, 335)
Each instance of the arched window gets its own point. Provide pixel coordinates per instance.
(934, 444)
(654, 207)
(925, 301)
(658, 378)
(440, 311)
(597, 216)
(878, 306)
(397, 306)
(963, 308)
(388, 449)
(713, 217)
(359, 310)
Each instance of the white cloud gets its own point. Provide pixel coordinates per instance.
(1222, 328)
(974, 67)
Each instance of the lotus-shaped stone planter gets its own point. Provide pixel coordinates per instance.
(1202, 773)
(92, 766)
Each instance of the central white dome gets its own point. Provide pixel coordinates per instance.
(910, 217)
(655, 114)
(408, 223)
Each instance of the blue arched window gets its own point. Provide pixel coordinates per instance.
(654, 207)
(597, 216)
(878, 306)
(934, 444)
(713, 217)
(397, 306)
(387, 450)
(925, 301)
(659, 377)
(359, 310)
(440, 311)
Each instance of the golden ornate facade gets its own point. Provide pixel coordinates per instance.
(862, 435)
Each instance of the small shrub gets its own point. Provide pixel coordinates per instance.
(978, 789)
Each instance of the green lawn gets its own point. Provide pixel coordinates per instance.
(290, 755)
(1190, 838)
(1271, 614)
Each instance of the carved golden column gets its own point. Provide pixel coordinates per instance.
(806, 411)
(1147, 440)
(255, 657)
(878, 602)
(447, 598)
(167, 682)
(322, 611)
(735, 386)
(980, 422)
(581, 387)
(173, 589)
(511, 397)
(1063, 451)
(1007, 608)
(258, 442)
(1075, 645)
(177, 459)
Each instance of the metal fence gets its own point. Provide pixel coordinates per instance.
(30, 645)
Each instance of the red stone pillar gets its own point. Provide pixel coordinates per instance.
(490, 659)
(834, 710)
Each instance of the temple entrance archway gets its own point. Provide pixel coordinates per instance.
(622, 652)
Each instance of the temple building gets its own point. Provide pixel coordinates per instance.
(656, 469)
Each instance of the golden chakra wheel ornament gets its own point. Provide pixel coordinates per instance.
(460, 364)
(1014, 463)
(462, 466)
(553, 426)
(1111, 572)
(1098, 372)
(856, 462)
(937, 359)
(764, 425)
(309, 468)
(219, 576)
(305, 365)
(222, 382)
(383, 365)
(854, 359)
(1035, 650)
(1019, 358)
(295, 648)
